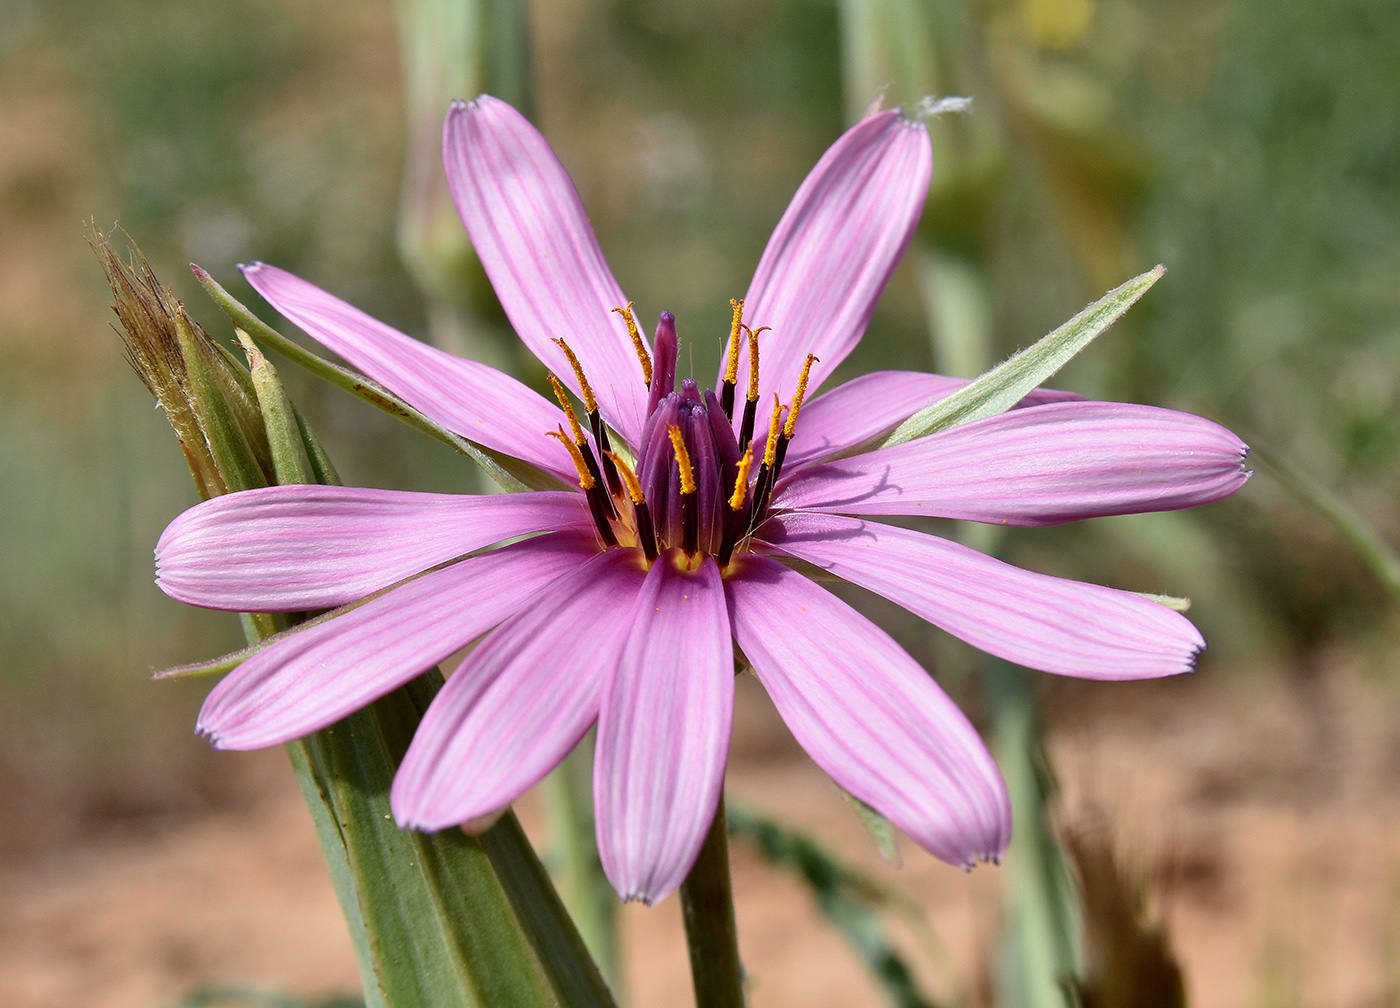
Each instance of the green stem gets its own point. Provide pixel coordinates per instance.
(707, 903)
(592, 903)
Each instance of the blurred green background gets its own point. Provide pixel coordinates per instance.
(1251, 145)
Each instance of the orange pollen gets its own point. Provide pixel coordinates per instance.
(741, 480)
(637, 343)
(585, 390)
(775, 427)
(682, 458)
(791, 424)
(731, 373)
(753, 361)
(585, 478)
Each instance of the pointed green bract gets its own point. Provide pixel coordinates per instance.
(284, 436)
(1013, 379)
(881, 830)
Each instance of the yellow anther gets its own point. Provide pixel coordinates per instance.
(731, 373)
(585, 478)
(637, 343)
(566, 404)
(634, 486)
(775, 426)
(682, 458)
(585, 390)
(753, 361)
(741, 480)
(791, 424)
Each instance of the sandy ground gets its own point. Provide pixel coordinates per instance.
(1265, 818)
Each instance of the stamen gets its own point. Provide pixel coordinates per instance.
(775, 427)
(581, 443)
(768, 474)
(600, 436)
(634, 486)
(731, 371)
(751, 401)
(599, 504)
(682, 458)
(637, 343)
(646, 534)
(753, 360)
(741, 480)
(590, 404)
(791, 424)
(566, 404)
(690, 521)
(586, 481)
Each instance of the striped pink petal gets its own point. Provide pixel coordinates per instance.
(484, 405)
(663, 731)
(529, 227)
(834, 249)
(291, 548)
(873, 404)
(1042, 622)
(1039, 466)
(868, 714)
(521, 700)
(319, 675)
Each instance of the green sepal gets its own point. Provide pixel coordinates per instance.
(285, 441)
(1173, 602)
(442, 919)
(881, 830)
(510, 473)
(1015, 378)
(230, 421)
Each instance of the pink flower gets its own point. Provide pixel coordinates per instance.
(620, 605)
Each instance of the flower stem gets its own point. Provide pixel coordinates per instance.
(707, 902)
(568, 794)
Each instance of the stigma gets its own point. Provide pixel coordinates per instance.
(694, 482)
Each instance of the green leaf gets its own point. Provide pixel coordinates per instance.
(1013, 379)
(850, 901)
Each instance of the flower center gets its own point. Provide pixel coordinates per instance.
(693, 484)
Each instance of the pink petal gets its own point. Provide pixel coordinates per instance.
(482, 404)
(314, 678)
(521, 700)
(864, 408)
(835, 248)
(532, 234)
(868, 714)
(1039, 466)
(663, 732)
(291, 548)
(1042, 622)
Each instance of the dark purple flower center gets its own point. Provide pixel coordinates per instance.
(695, 485)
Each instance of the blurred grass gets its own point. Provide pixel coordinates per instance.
(1253, 147)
